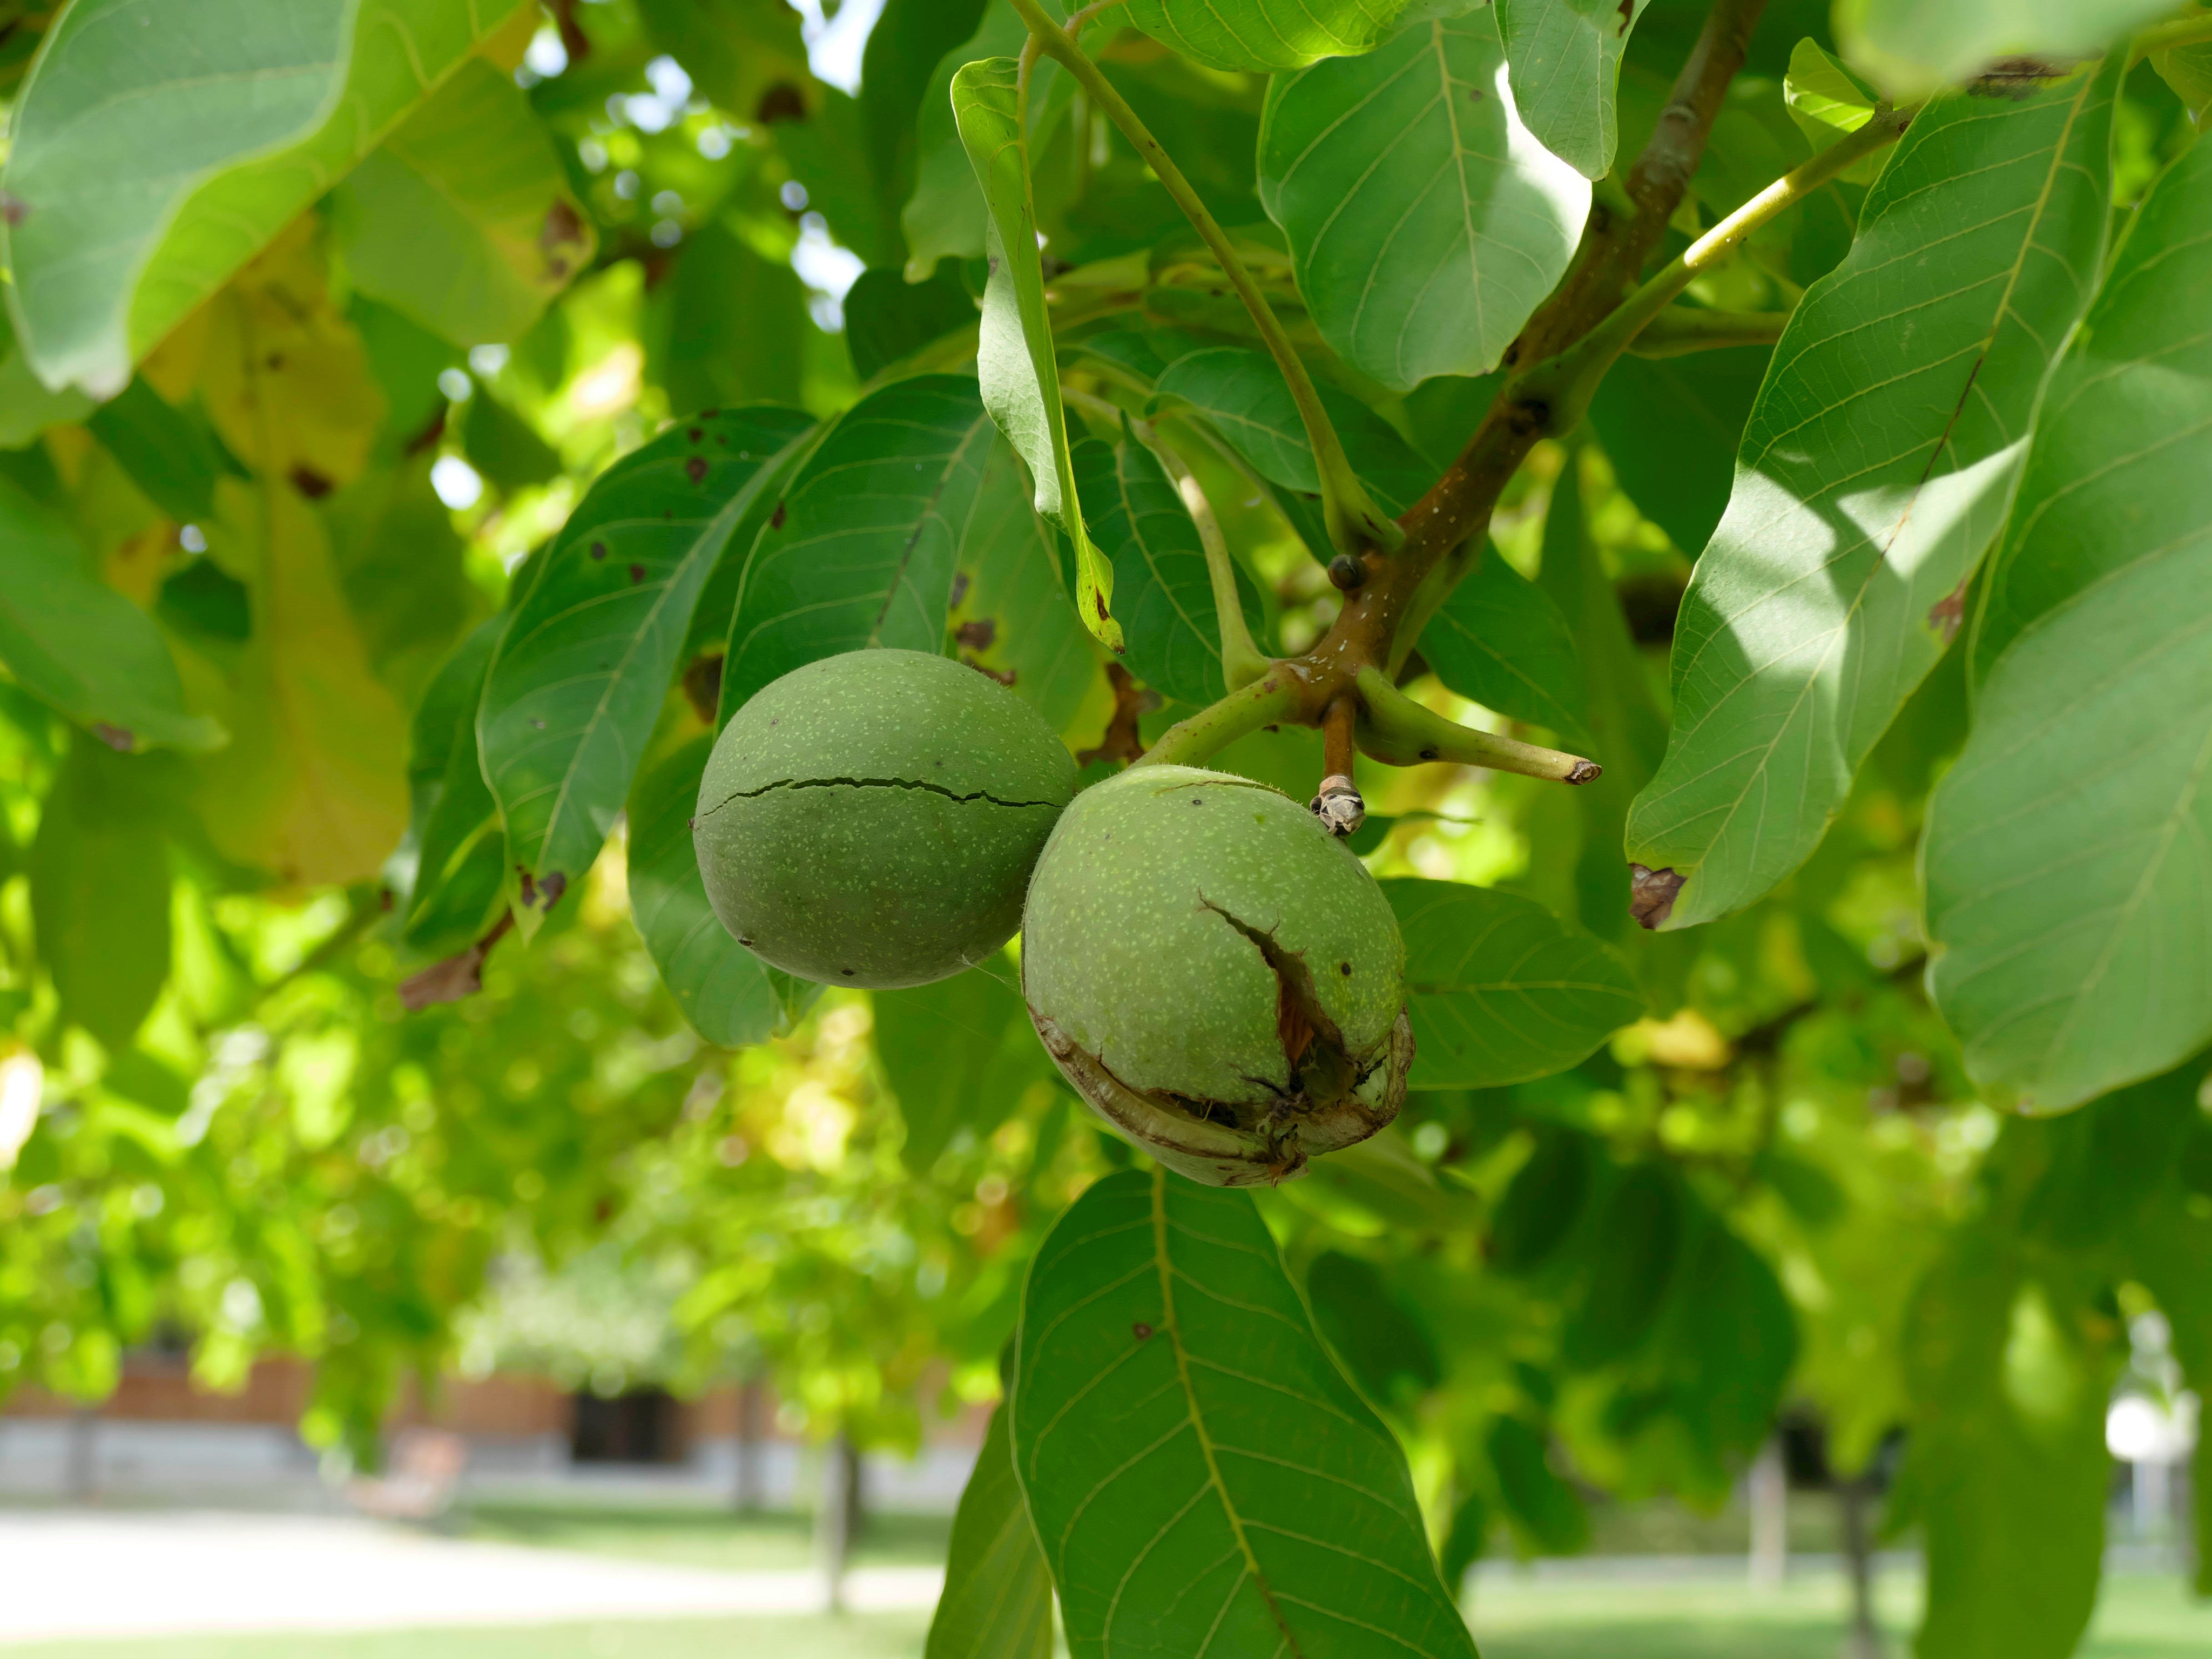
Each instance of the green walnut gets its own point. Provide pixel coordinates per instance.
(872, 819)
(1216, 974)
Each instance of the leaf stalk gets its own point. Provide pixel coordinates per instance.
(1355, 523)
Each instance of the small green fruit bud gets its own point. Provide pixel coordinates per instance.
(873, 818)
(1216, 974)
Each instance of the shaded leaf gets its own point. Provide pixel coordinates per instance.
(888, 318)
(155, 151)
(577, 683)
(1670, 427)
(449, 873)
(1243, 397)
(1013, 616)
(859, 551)
(728, 995)
(1374, 1335)
(79, 645)
(1632, 1248)
(1426, 222)
(997, 1603)
(1198, 1473)
(724, 323)
(1545, 1511)
(959, 1053)
(170, 455)
(1159, 571)
(1565, 60)
(462, 219)
(2068, 854)
(1015, 362)
(1545, 1199)
(1500, 989)
(735, 50)
(1863, 499)
(1499, 640)
(100, 889)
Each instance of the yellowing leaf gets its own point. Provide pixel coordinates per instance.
(314, 786)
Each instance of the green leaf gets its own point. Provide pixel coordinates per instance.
(1912, 47)
(1243, 397)
(171, 456)
(827, 152)
(100, 889)
(945, 214)
(1159, 570)
(158, 148)
(1545, 1199)
(1015, 362)
(313, 786)
(997, 1603)
(1201, 1477)
(578, 681)
(1632, 1250)
(1566, 58)
(860, 550)
(1864, 500)
(450, 868)
(504, 447)
(908, 39)
(1670, 427)
(2068, 861)
(79, 645)
(1374, 1335)
(888, 318)
(1011, 614)
(727, 324)
(1499, 640)
(27, 407)
(1546, 1513)
(728, 995)
(958, 1053)
(2187, 71)
(1426, 222)
(1500, 989)
(735, 50)
(1268, 35)
(462, 219)
(2007, 1470)
(1827, 101)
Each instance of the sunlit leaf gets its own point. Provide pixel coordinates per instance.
(578, 680)
(1269, 34)
(157, 148)
(1200, 1473)
(1863, 499)
(450, 872)
(462, 218)
(1016, 361)
(1499, 988)
(1425, 221)
(1912, 47)
(1565, 60)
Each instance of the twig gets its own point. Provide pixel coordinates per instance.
(1355, 523)
(1276, 696)
(1400, 731)
(1680, 330)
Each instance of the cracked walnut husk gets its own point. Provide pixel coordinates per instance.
(1216, 975)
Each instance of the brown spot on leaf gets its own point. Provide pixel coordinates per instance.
(456, 977)
(694, 434)
(977, 635)
(13, 209)
(636, 574)
(702, 686)
(426, 439)
(552, 887)
(775, 518)
(309, 483)
(1140, 1330)
(1946, 615)
(695, 468)
(1652, 894)
(780, 102)
(959, 588)
(1121, 742)
(599, 549)
(2015, 78)
(561, 227)
(1628, 9)
(118, 738)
